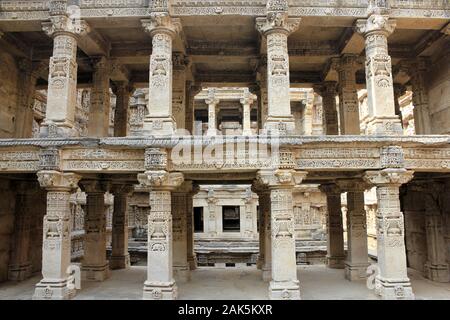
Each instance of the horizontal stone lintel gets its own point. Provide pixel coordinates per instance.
(309, 153)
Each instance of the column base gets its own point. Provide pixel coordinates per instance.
(438, 273)
(159, 126)
(288, 290)
(355, 272)
(19, 272)
(192, 263)
(181, 273)
(336, 262)
(160, 290)
(393, 289)
(382, 126)
(266, 274)
(95, 273)
(280, 125)
(51, 129)
(46, 290)
(119, 262)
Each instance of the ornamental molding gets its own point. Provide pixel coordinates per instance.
(376, 24)
(387, 177)
(54, 180)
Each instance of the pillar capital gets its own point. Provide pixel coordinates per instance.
(376, 24)
(277, 22)
(180, 61)
(386, 177)
(161, 179)
(326, 88)
(55, 180)
(95, 186)
(280, 178)
(122, 88)
(347, 62)
(161, 22)
(330, 189)
(248, 98)
(212, 98)
(63, 24)
(121, 188)
(352, 185)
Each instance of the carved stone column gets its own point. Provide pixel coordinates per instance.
(262, 99)
(99, 110)
(27, 86)
(180, 65)
(436, 267)
(284, 283)
(392, 282)
(330, 118)
(246, 101)
(180, 231)
(422, 120)
(346, 67)
(94, 265)
(380, 92)
(160, 283)
(123, 91)
(56, 235)
(399, 90)
(357, 259)
(191, 257)
(120, 258)
(62, 78)
(265, 237)
(163, 29)
(212, 102)
(335, 237)
(191, 91)
(20, 264)
(276, 27)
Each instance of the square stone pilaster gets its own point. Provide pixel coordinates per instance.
(380, 87)
(95, 266)
(392, 282)
(284, 283)
(163, 29)
(56, 246)
(160, 283)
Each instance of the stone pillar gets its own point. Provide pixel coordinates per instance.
(357, 259)
(62, 79)
(212, 102)
(160, 283)
(436, 266)
(94, 265)
(191, 91)
(399, 91)
(284, 283)
(191, 257)
(265, 234)
(180, 230)
(27, 86)
(262, 99)
(56, 235)
(120, 258)
(163, 29)
(330, 118)
(346, 67)
(275, 28)
(20, 264)
(422, 119)
(392, 282)
(99, 110)
(246, 101)
(180, 65)
(380, 92)
(335, 237)
(122, 91)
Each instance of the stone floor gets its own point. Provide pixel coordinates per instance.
(317, 282)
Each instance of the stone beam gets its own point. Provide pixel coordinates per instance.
(14, 46)
(94, 44)
(350, 42)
